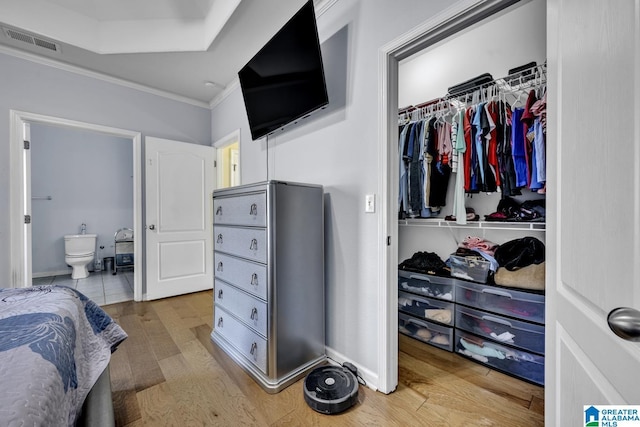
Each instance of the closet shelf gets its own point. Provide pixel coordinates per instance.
(484, 225)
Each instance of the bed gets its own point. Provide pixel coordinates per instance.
(55, 346)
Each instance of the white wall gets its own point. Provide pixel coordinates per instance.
(511, 38)
(54, 91)
(89, 177)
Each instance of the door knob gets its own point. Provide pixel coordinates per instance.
(152, 227)
(625, 323)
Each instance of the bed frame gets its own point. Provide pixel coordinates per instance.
(97, 410)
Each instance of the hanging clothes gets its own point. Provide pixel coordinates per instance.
(489, 145)
(504, 151)
(459, 149)
(518, 149)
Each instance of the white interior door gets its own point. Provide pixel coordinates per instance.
(593, 239)
(179, 181)
(235, 167)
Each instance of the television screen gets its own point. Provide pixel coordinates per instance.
(285, 80)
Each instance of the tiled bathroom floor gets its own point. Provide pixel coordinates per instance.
(102, 287)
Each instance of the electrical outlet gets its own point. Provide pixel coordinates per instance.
(370, 203)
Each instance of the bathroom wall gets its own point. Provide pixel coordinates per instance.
(89, 177)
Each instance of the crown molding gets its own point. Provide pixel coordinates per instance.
(49, 62)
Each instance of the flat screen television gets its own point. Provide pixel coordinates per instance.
(285, 80)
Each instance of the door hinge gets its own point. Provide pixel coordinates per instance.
(27, 219)
(388, 240)
(26, 145)
(215, 164)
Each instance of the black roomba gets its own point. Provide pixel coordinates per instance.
(331, 389)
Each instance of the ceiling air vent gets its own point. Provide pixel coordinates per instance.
(32, 40)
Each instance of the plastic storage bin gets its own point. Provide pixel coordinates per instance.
(427, 308)
(522, 305)
(430, 333)
(528, 336)
(430, 286)
(469, 268)
(519, 363)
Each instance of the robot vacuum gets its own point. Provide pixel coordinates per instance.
(331, 389)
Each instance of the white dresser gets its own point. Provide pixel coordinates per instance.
(269, 279)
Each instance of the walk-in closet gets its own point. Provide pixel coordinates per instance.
(471, 217)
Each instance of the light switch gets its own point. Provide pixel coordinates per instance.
(370, 203)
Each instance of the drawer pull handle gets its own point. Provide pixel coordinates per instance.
(254, 314)
(419, 277)
(496, 320)
(496, 292)
(254, 350)
(254, 279)
(219, 210)
(253, 210)
(220, 322)
(254, 245)
(219, 239)
(220, 294)
(220, 266)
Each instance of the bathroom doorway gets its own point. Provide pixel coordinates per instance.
(227, 162)
(81, 182)
(92, 195)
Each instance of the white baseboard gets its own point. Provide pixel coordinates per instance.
(369, 377)
(52, 273)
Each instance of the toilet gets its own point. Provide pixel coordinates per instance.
(79, 251)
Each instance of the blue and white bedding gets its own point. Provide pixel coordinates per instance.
(54, 344)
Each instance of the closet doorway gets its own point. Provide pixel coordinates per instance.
(586, 362)
(21, 200)
(432, 36)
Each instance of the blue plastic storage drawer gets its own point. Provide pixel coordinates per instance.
(522, 305)
(528, 336)
(430, 333)
(427, 308)
(519, 363)
(430, 286)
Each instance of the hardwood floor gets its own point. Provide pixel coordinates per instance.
(169, 373)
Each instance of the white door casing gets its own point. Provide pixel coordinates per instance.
(20, 183)
(457, 17)
(179, 180)
(27, 228)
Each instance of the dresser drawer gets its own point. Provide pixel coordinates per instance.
(248, 343)
(528, 336)
(426, 308)
(249, 309)
(431, 286)
(249, 243)
(430, 333)
(246, 275)
(518, 304)
(250, 210)
(519, 363)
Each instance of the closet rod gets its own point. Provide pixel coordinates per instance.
(511, 83)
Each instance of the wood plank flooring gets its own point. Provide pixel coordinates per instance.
(169, 373)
